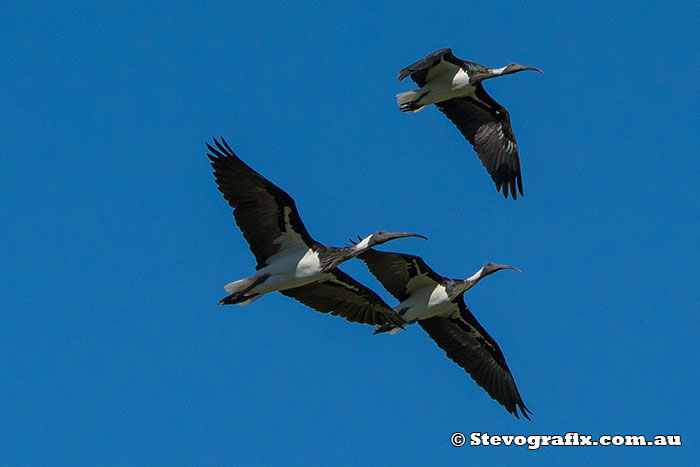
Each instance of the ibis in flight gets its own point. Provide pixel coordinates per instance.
(454, 86)
(288, 259)
(437, 303)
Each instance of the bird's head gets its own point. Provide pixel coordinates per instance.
(490, 268)
(516, 67)
(486, 73)
(379, 237)
(486, 270)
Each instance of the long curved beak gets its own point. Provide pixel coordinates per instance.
(519, 67)
(505, 266)
(393, 235)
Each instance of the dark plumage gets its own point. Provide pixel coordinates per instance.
(437, 303)
(288, 259)
(454, 86)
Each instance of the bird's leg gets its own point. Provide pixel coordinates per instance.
(257, 281)
(409, 103)
(384, 328)
(240, 296)
(387, 327)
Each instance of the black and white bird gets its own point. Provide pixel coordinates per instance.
(288, 259)
(454, 86)
(437, 303)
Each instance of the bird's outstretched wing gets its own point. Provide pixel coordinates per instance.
(400, 273)
(342, 295)
(486, 125)
(468, 344)
(436, 63)
(265, 213)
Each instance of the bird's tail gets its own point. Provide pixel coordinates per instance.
(239, 286)
(408, 101)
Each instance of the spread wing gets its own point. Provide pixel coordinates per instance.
(266, 214)
(342, 295)
(400, 273)
(486, 125)
(434, 64)
(468, 344)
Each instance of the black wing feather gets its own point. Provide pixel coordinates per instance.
(342, 295)
(468, 344)
(259, 205)
(395, 270)
(418, 71)
(486, 125)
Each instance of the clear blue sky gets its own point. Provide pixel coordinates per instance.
(116, 244)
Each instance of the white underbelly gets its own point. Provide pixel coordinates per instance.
(447, 86)
(290, 270)
(426, 303)
(279, 282)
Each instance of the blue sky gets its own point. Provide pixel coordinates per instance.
(116, 244)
